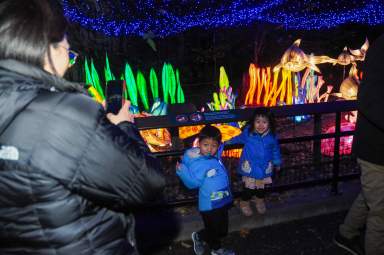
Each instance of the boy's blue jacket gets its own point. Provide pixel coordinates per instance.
(207, 174)
(260, 152)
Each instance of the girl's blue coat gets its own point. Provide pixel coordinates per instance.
(259, 151)
(207, 174)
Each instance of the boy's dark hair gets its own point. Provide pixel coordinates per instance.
(28, 28)
(210, 132)
(262, 112)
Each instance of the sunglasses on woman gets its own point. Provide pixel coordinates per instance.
(72, 55)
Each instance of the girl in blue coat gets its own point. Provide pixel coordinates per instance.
(261, 154)
(202, 169)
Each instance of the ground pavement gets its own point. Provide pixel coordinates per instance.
(297, 222)
(312, 236)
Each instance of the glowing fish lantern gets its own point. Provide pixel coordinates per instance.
(295, 60)
(359, 54)
(350, 57)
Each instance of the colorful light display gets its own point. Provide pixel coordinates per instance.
(350, 57)
(142, 86)
(287, 85)
(96, 80)
(328, 145)
(295, 60)
(137, 86)
(180, 92)
(93, 89)
(266, 89)
(154, 84)
(225, 99)
(107, 71)
(296, 80)
(157, 139)
(131, 88)
(162, 18)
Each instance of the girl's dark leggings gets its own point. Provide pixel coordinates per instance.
(249, 193)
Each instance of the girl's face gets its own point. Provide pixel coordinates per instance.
(208, 147)
(261, 124)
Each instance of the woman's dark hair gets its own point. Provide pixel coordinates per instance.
(262, 112)
(210, 132)
(27, 28)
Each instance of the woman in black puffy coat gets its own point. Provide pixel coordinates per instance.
(70, 174)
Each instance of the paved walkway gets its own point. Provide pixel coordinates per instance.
(297, 222)
(311, 236)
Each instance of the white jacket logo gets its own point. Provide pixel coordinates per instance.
(246, 167)
(269, 169)
(211, 173)
(9, 153)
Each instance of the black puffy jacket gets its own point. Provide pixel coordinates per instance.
(369, 136)
(68, 177)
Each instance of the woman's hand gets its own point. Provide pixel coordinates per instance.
(123, 115)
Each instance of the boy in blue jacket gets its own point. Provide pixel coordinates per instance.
(202, 169)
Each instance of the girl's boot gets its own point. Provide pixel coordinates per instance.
(245, 208)
(260, 205)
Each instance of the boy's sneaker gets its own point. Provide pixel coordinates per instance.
(222, 251)
(198, 245)
(350, 245)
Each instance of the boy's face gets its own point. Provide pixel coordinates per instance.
(208, 146)
(261, 124)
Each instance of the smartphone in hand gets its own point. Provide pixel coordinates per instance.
(114, 96)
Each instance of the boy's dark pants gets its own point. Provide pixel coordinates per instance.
(215, 227)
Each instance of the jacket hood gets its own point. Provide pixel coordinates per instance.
(20, 83)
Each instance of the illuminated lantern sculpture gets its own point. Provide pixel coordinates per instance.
(349, 88)
(136, 88)
(225, 99)
(157, 139)
(93, 82)
(227, 132)
(295, 60)
(286, 85)
(348, 91)
(359, 54)
(346, 58)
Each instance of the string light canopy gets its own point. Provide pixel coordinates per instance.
(149, 18)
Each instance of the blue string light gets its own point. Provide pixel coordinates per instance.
(165, 19)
